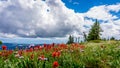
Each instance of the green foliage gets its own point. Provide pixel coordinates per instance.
(0, 42)
(71, 40)
(100, 56)
(85, 36)
(94, 33)
(112, 38)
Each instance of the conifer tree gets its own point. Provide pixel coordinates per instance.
(94, 33)
(112, 38)
(85, 36)
(71, 40)
(0, 42)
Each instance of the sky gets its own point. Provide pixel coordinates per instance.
(84, 5)
(57, 19)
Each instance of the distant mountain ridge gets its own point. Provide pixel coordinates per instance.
(12, 46)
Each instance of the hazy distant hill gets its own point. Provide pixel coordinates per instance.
(14, 45)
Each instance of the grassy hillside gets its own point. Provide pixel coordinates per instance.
(105, 54)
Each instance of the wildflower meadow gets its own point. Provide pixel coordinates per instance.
(86, 55)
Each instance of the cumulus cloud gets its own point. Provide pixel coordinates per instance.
(51, 18)
(38, 18)
(109, 22)
(101, 13)
(6, 35)
(114, 7)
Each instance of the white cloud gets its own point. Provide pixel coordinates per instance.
(51, 18)
(115, 8)
(6, 35)
(110, 22)
(100, 13)
(110, 29)
(30, 18)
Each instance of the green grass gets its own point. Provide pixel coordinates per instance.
(105, 54)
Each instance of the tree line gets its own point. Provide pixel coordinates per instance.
(94, 34)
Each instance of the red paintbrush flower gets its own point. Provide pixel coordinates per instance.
(10, 51)
(55, 54)
(58, 54)
(55, 64)
(31, 49)
(82, 46)
(4, 47)
(42, 56)
(36, 48)
(40, 47)
(45, 45)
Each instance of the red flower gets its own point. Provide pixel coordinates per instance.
(31, 49)
(40, 47)
(4, 47)
(10, 51)
(82, 46)
(45, 45)
(56, 54)
(55, 64)
(42, 56)
(36, 48)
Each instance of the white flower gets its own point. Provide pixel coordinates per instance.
(17, 55)
(81, 50)
(40, 58)
(21, 57)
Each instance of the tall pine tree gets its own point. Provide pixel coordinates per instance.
(0, 42)
(94, 33)
(85, 36)
(70, 40)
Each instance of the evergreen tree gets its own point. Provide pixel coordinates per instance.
(94, 33)
(85, 36)
(71, 40)
(0, 42)
(112, 38)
